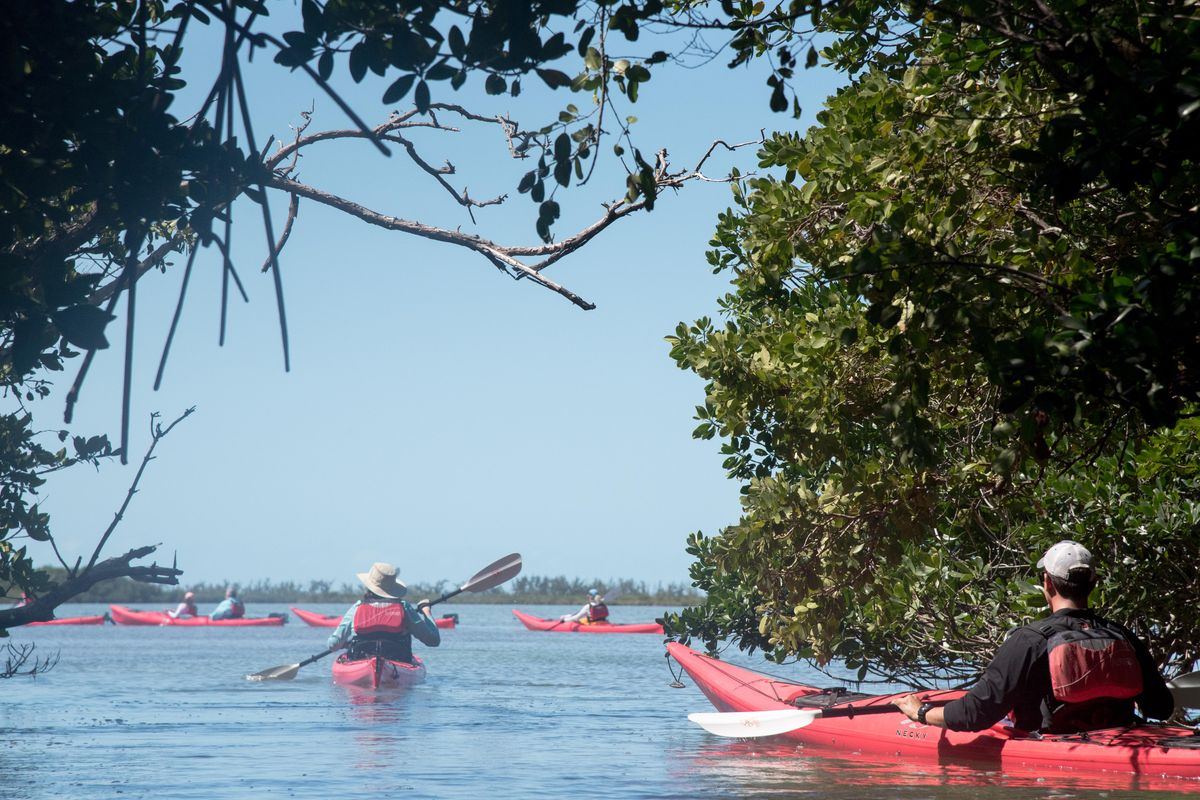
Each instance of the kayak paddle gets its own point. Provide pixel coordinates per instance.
(753, 724)
(489, 577)
(1185, 689)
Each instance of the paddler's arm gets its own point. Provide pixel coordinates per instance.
(991, 697)
(1156, 700)
(910, 706)
(421, 624)
(341, 634)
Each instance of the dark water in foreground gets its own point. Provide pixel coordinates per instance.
(506, 713)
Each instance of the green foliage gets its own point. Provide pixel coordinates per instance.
(943, 353)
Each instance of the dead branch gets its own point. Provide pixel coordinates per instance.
(157, 433)
(41, 608)
(508, 257)
(19, 655)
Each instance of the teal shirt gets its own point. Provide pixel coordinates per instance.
(415, 623)
(226, 609)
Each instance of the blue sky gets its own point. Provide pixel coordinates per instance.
(437, 414)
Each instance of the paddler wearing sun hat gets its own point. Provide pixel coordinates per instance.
(382, 622)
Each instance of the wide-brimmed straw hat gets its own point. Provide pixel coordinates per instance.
(382, 580)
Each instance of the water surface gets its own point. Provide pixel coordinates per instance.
(506, 713)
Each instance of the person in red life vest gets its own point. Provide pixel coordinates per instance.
(593, 611)
(186, 608)
(382, 623)
(231, 607)
(1071, 671)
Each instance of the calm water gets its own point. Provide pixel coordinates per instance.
(505, 713)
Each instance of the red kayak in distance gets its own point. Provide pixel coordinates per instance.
(1151, 755)
(377, 672)
(330, 621)
(129, 616)
(556, 626)
(98, 619)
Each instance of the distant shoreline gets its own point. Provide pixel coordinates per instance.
(524, 590)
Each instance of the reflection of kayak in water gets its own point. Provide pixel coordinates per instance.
(377, 672)
(331, 621)
(557, 626)
(129, 616)
(1148, 751)
(98, 619)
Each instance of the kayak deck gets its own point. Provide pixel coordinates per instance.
(557, 626)
(1148, 750)
(377, 672)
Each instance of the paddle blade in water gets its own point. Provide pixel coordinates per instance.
(283, 673)
(753, 724)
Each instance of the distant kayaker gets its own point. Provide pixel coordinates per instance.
(383, 624)
(593, 610)
(231, 607)
(186, 607)
(1071, 671)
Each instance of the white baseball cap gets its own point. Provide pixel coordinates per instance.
(1066, 557)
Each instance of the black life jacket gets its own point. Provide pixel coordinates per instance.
(1094, 675)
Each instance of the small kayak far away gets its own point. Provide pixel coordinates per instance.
(1149, 754)
(129, 616)
(377, 672)
(555, 626)
(331, 621)
(97, 619)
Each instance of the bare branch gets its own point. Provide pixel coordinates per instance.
(41, 608)
(157, 434)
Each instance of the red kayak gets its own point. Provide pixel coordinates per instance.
(538, 624)
(128, 616)
(377, 672)
(98, 619)
(330, 621)
(1148, 751)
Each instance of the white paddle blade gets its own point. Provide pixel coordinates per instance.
(1185, 693)
(753, 724)
(1189, 681)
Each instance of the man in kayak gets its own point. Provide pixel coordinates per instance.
(382, 623)
(1068, 672)
(186, 608)
(230, 608)
(594, 610)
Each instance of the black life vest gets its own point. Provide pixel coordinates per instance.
(1094, 675)
(597, 612)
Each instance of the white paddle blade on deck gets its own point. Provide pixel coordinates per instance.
(753, 724)
(1186, 690)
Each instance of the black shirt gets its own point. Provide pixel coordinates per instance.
(1018, 680)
